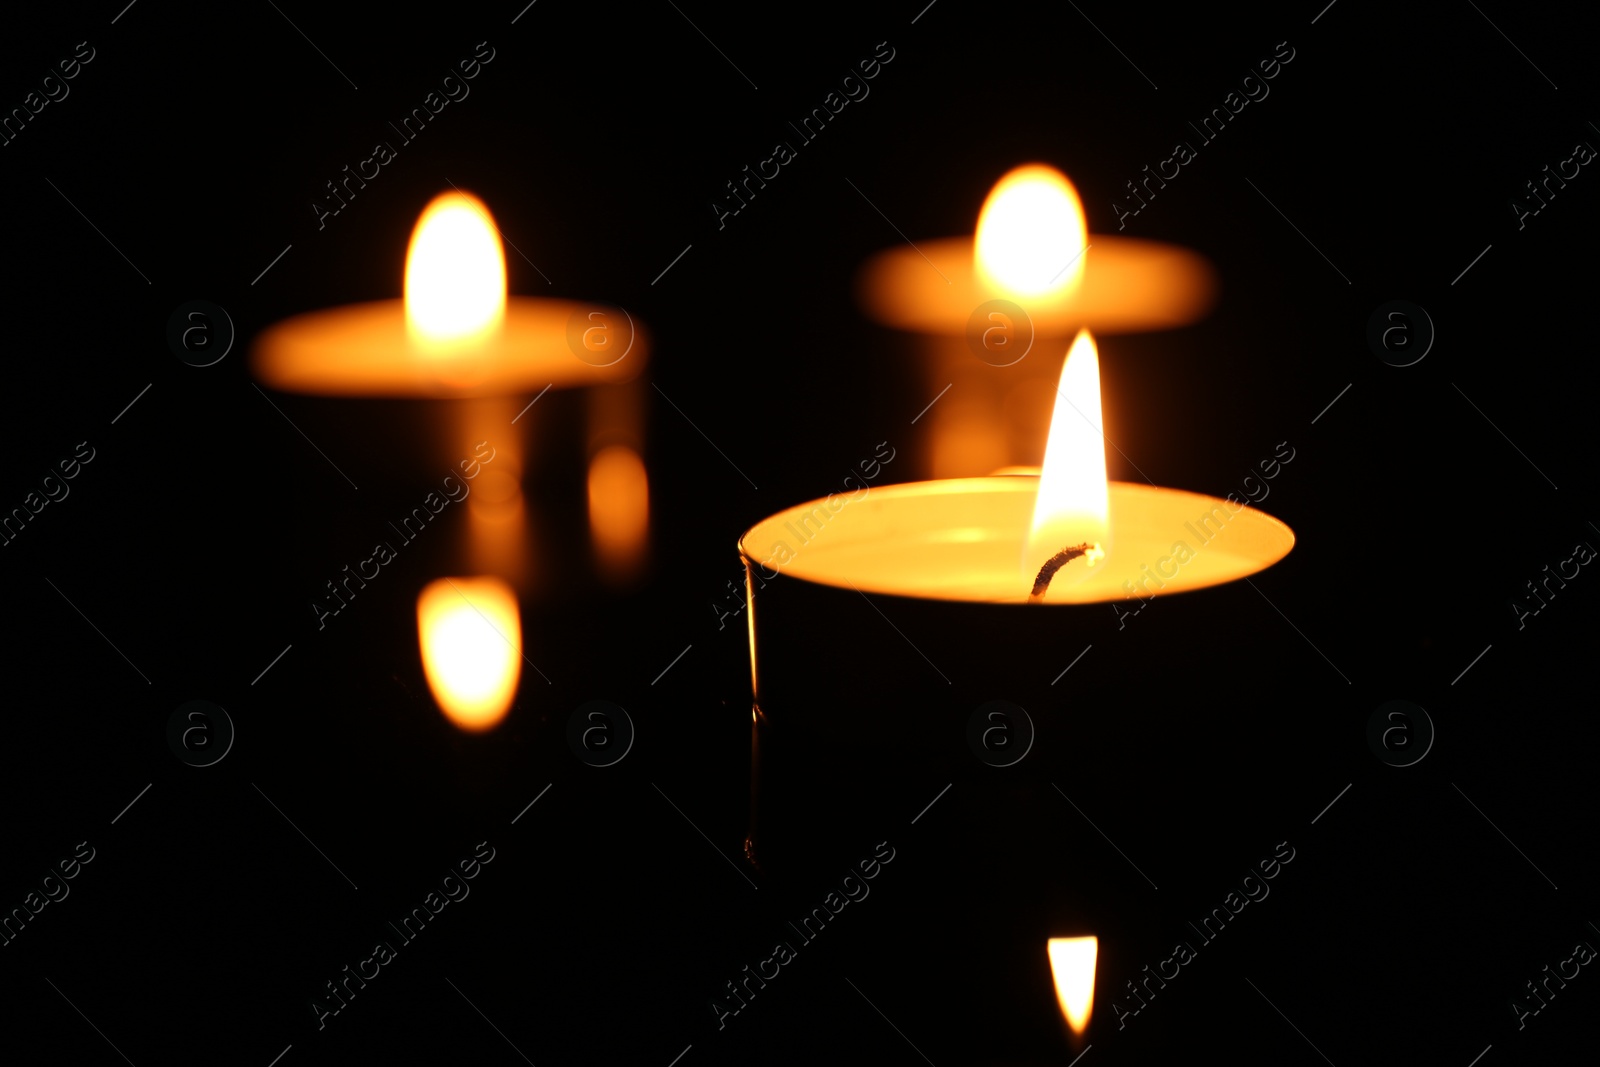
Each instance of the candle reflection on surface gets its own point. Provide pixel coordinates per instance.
(1072, 961)
(619, 511)
(497, 534)
(471, 637)
(618, 488)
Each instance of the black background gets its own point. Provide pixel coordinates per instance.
(191, 546)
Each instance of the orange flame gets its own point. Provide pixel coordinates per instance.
(1031, 234)
(1072, 506)
(1072, 965)
(455, 292)
(471, 639)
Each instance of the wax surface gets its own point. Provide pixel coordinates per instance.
(962, 539)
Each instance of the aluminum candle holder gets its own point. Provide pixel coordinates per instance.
(881, 626)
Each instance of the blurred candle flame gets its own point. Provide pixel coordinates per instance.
(1031, 234)
(1072, 507)
(455, 290)
(1072, 962)
(471, 639)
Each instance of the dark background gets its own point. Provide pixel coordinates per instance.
(188, 551)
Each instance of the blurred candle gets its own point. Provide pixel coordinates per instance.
(456, 335)
(1032, 247)
(987, 308)
(951, 565)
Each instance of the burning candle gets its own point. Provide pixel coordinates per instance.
(1032, 247)
(990, 306)
(456, 335)
(923, 601)
(985, 539)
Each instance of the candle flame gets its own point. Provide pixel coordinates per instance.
(1072, 507)
(471, 640)
(1032, 234)
(455, 275)
(1072, 965)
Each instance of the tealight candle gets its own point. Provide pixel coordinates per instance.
(916, 604)
(456, 335)
(989, 306)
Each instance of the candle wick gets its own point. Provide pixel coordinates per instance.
(1056, 562)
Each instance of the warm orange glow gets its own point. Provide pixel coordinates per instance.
(619, 509)
(966, 440)
(498, 492)
(471, 639)
(496, 534)
(1072, 506)
(370, 350)
(1031, 234)
(498, 538)
(455, 293)
(1129, 285)
(1072, 964)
